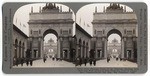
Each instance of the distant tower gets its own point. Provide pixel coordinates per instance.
(124, 8)
(69, 10)
(31, 9)
(60, 8)
(54, 5)
(104, 9)
(40, 9)
(95, 9)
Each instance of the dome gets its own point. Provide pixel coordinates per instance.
(50, 40)
(115, 40)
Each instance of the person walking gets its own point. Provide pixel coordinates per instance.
(107, 59)
(31, 62)
(44, 58)
(17, 61)
(53, 58)
(85, 61)
(116, 58)
(94, 62)
(80, 61)
(22, 61)
(27, 62)
(77, 61)
(90, 62)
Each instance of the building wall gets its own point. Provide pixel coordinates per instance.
(82, 42)
(47, 16)
(112, 16)
(19, 45)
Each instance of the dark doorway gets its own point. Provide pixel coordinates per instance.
(35, 53)
(65, 54)
(129, 54)
(98, 52)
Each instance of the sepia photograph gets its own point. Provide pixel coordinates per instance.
(54, 35)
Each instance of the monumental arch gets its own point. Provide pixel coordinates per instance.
(50, 19)
(115, 20)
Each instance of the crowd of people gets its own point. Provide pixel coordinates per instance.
(28, 61)
(53, 58)
(79, 61)
(117, 59)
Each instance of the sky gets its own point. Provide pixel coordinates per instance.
(50, 36)
(84, 17)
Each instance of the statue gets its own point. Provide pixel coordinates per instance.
(50, 6)
(114, 6)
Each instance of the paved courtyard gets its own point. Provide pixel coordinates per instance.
(99, 63)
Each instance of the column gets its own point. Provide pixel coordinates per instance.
(32, 50)
(125, 53)
(22, 52)
(122, 48)
(58, 48)
(68, 53)
(42, 48)
(133, 49)
(89, 48)
(85, 48)
(105, 48)
(83, 51)
(103, 51)
(77, 50)
(80, 52)
(86, 54)
(80, 49)
(96, 49)
(32, 53)
(39, 49)
(61, 49)
(17, 50)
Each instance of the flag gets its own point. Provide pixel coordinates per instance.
(88, 25)
(16, 21)
(84, 23)
(24, 25)
(80, 21)
(20, 23)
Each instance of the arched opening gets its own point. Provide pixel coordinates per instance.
(20, 49)
(83, 50)
(15, 49)
(23, 50)
(114, 37)
(15, 56)
(50, 43)
(87, 48)
(79, 49)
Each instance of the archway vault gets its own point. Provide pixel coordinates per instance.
(50, 31)
(112, 31)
